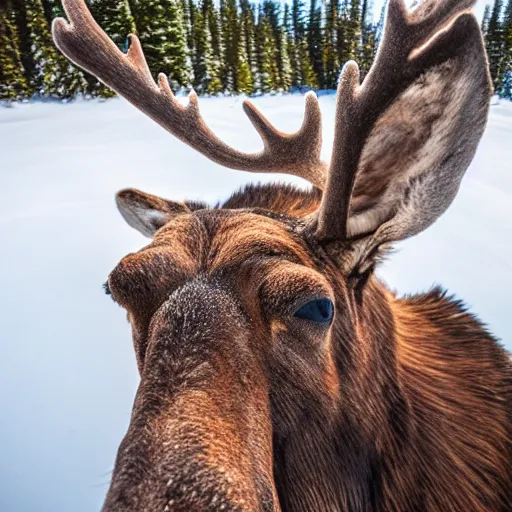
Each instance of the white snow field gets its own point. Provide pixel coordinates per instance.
(67, 369)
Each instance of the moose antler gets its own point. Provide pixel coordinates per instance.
(413, 44)
(403, 139)
(85, 43)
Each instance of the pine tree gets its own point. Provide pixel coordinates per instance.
(303, 74)
(187, 16)
(114, 17)
(247, 24)
(272, 12)
(343, 35)
(307, 73)
(315, 40)
(13, 85)
(506, 64)
(291, 48)
(213, 15)
(206, 73)
(231, 34)
(249, 28)
(268, 66)
(244, 73)
(494, 44)
(298, 20)
(349, 31)
(258, 42)
(331, 62)
(49, 74)
(192, 9)
(188, 8)
(285, 67)
(202, 53)
(368, 43)
(307, 51)
(486, 18)
(163, 36)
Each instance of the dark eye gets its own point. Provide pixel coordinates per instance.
(320, 311)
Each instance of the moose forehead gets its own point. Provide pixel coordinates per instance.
(208, 242)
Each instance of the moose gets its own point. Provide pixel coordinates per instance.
(278, 373)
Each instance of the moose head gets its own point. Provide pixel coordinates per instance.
(277, 372)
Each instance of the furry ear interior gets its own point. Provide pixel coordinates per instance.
(405, 136)
(418, 150)
(145, 212)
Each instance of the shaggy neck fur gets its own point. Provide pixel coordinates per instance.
(420, 427)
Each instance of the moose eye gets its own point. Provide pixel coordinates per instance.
(319, 311)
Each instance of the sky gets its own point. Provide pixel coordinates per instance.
(479, 8)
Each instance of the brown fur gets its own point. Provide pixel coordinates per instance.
(399, 405)
(403, 404)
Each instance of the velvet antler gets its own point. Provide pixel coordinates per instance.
(403, 139)
(85, 43)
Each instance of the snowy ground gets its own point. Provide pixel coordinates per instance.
(67, 371)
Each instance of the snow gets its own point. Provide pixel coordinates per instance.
(67, 371)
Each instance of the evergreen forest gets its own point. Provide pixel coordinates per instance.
(218, 47)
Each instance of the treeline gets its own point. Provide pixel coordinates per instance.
(235, 46)
(231, 46)
(497, 29)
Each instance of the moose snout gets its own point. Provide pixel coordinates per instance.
(185, 479)
(200, 437)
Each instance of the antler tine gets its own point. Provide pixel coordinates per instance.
(311, 124)
(85, 43)
(411, 42)
(345, 156)
(307, 142)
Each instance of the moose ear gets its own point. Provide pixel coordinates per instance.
(145, 212)
(417, 153)
(405, 137)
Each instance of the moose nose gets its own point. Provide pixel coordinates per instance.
(200, 437)
(192, 487)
